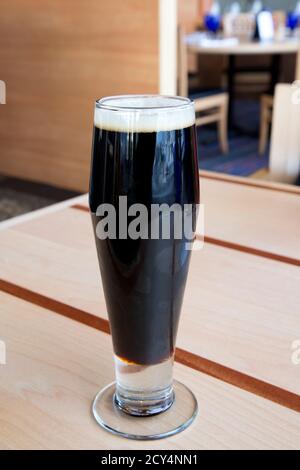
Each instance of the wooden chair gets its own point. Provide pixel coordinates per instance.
(210, 106)
(267, 102)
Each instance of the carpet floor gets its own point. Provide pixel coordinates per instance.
(18, 197)
(243, 158)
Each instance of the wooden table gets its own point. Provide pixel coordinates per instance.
(240, 318)
(288, 46)
(274, 48)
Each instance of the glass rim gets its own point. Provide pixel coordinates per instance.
(182, 103)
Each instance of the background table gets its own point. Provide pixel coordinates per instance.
(274, 48)
(288, 46)
(240, 318)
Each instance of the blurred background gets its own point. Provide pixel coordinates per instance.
(239, 61)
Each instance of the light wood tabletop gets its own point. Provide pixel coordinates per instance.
(287, 46)
(239, 322)
(259, 217)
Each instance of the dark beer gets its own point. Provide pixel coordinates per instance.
(143, 279)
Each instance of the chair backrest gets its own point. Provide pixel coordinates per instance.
(182, 63)
(285, 139)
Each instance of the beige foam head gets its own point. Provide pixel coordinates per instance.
(139, 113)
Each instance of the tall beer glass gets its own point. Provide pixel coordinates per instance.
(144, 192)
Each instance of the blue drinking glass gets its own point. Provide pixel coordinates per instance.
(292, 20)
(212, 23)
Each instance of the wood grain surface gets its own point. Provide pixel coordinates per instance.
(56, 366)
(253, 217)
(253, 183)
(260, 219)
(233, 300)
(57, 58)
(234, 349)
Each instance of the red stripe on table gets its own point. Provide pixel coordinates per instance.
(251, 251)
(81, 207)
(55, 306)
(191, 360)
(230, 245)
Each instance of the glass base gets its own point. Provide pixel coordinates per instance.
(175, 419)
(144, 390)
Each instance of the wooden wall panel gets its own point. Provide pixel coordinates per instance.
(209, 69)
(189, 18)
(189, 14)
(56, 58)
